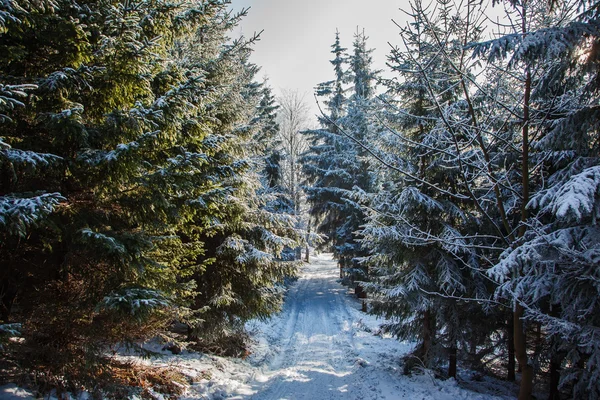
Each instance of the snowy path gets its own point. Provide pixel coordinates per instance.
(318, 357)
(321, 347)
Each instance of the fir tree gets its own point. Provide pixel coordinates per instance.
(106, 267)
(243, 236)
(326, 147)
(546, 273)
(267, 113)
(132, 168)
(421, 230)
(334, 163)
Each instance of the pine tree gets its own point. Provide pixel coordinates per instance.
(421, 232)
(547, 270)
(321, 163)
(106, 267)
(243, 236)
(148, 121)
(334, 163)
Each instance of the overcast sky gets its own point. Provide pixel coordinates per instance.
(294, 50)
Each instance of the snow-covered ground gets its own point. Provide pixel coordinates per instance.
(320, 347)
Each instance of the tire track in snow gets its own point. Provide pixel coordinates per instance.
(318, 349)
(318, 356)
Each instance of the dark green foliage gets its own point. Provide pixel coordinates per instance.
(335, 163)
(132, 137)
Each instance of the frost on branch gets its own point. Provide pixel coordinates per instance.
(545, 43)
(575, 199)
(135, 302)
(559, 266)
(19, 213)
(243, 251)
(98, 157)
(412, 197)
(9, 95)
(555, 278)
(69, 79)
(108, 244)
(31, 158)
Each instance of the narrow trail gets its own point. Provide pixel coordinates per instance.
(318, 357)
(320, 347)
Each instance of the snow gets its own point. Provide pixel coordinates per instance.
(576, 198)
(13, 392)
(319, 347)
(18, 213)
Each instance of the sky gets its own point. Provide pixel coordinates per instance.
(294, 49)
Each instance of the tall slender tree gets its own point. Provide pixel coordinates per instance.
(334, 163)
(421, 265)
(554, 51)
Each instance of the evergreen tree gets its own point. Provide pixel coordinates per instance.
(360, 125)
(243, 237)
(107, 267)
(547, 272)
(130, 178)
(421, 265)
(334, 162)
(321, 163)
(278, 198)
(495, 152)
(267, 112)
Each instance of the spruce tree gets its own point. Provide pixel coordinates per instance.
(321, 163)
(546, 272)
(422, 224)
(130, 168)
(106, 267)
(243, 236)
(334, 163)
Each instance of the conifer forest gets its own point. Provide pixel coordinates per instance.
(155, 188)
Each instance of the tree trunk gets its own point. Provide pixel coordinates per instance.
(520, 337)
(307, 245)
(511, 376)
(452, 361)
(427, 337)
(554, 378)
(521, 353)
(8, 293)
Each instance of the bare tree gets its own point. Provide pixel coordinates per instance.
(293, 118)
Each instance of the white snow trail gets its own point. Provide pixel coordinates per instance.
(320, 347)
(317, 357)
